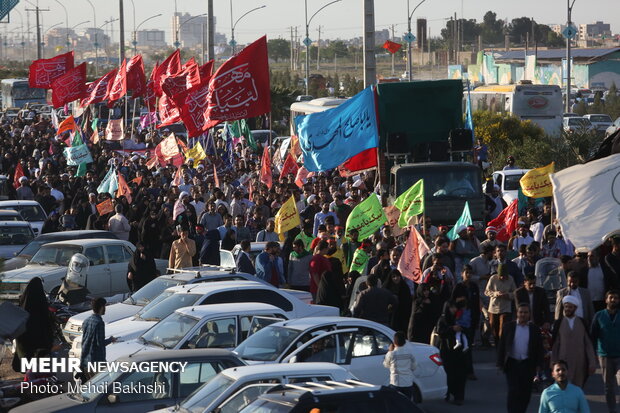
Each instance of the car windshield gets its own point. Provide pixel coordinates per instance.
(29, 250)
(28, 212)
(170, 330)
(511, 182)
(449, 182)
(578, 122)
(15, 235)
(153, 289)
(600, 118)
(165, 307)
(267, 344)
(9, 218)
(55, 255)
(98, 382)
(198, 401)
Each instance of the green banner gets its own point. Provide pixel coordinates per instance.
(410, 203)
(465, 220)
(367, 217)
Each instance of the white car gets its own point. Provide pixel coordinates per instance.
(10, 215)
(232, 388)
(14, 235)
(600, 121)
(508, 182)
(107, 274)
(134, 303)
(211, 293)
(579, 125)
(203, 326)
(355, 344)
(613, 128)
(30, 211)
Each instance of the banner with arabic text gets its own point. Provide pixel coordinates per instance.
(367, 217)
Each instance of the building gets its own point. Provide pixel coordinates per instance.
(59, 37)
(598, 30)
(191, 29)
(150, 38)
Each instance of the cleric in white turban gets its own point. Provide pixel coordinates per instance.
(570, 300)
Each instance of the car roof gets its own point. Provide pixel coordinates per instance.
(202, 311)
(14, 224)
(589, 115)
(62, 235)
(285, 368)
(15, 202)
(310, 322)
(178, 355)
(88, 241)
(512, 171)
(9, 212)
(202, 288)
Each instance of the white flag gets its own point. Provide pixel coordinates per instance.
(587, 200)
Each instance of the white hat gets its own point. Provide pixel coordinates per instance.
(23, 179)
(200, 166)
(571, 300)
(358, 184)
(311, 198)
(183, 195)
(461, 228)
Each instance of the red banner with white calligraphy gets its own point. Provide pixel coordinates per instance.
(43, 72)
(97, 91)
(70, 86)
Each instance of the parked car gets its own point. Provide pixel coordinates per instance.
(355, 344)
(172, 387)
(600, 121)
(107, 274)
(261, 136)
(580, 125)
(14, 235)
(213, 293)
(613, 128)
(225, 391)
(10, 215)
(508, 182)
(33, 246)
(30, 211)
(202, 326)
(350, 396)
(136, 301)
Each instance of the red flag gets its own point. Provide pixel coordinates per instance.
(192, 105)
(265, 169)
(119, 86)
(123, 188)
(150, 98)
(415, 249)
(391, 46)
(193, 73)
(362, 161)
(168, 147)
(169, 67)
(177, 179)
(174, 85)
(43, 72)
(239, 89)
(70, 86)
(168, 112)
(215, 178)
(302, 176)
(506, 222)
(206, 70)
(136, 80)
(97, 91)
(19, 172)
(289, 167)
(137, 180)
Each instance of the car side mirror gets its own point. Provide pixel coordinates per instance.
(112, 398)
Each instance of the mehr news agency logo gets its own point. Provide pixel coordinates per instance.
(53, 365)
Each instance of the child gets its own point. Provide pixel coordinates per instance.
(463, 319)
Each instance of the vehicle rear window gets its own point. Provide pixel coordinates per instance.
(600, 118)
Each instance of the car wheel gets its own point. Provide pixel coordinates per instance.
(417, 394)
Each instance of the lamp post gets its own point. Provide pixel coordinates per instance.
(66, 21)
(177, 43)
(97, 45)
(410, 38)
(135, 32)
(233, 43)
(307, 40)
(48, 29)
(569, 23)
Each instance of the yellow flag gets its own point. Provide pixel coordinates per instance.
(287, 217)
(536, 183)
(197, 153)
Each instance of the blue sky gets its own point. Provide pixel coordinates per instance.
(340, 20)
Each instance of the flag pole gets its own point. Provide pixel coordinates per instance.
(135, 101)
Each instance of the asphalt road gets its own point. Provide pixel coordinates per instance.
(488, 393)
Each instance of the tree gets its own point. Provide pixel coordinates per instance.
(554, 39)
(492, 30)
(470, 30)
(279, 49)
(336, 47)
(519, 28)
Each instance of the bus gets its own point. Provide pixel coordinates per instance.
(312, 106)
(16, 93)
(541, 104)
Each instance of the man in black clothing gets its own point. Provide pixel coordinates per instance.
(374, 303)
(612, 260)
(519, 356)
(536, 298)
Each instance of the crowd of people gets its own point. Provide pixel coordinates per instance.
(474, 291)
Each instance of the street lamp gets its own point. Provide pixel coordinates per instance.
(409, 37)
(135, 39)
(307, 40)
(97, 44)
(66, 21)
(177, 43)
(569, 24)
(233, 43)
(45, 34)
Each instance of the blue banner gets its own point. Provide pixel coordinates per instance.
(329, 138)
(77, 155)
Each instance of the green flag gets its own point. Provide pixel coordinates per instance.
(240, 128)
(77, 139)
(94, 124)
(410, 203)
(367, 217)
(465, 219)
(81, 170)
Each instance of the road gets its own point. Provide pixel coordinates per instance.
(488, 393)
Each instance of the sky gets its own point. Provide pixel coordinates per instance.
(340, 20)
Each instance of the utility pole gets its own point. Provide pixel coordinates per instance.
(318, 50)
(393, 53)
(121, 38)
(456, 40)
(370, 65)
(291, 62)
(297, 54)
(211, 30)
(569, 23)
(38, 10)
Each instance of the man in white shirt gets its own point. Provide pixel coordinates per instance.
(536, 227)
(596, 281)
(119, 225)
(401, 362)
(585, 309)
(268, 233)
(523, 237)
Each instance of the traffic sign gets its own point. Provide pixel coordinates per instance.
(569, 32)
(409, 37)
(233, 43)
(307, 42)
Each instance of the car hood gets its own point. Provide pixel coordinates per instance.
(128, 328)
(59, 403)
(14, 263)
(117, 350)
(113, 313)
(30, 271)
